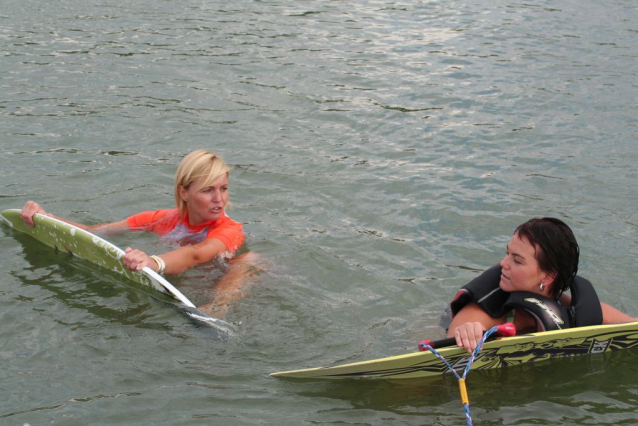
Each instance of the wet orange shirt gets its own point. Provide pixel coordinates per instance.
(171, 225)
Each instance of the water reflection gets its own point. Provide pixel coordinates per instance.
(78, 284)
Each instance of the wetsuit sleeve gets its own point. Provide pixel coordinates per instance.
(230, 233)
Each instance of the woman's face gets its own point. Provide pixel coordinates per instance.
(520, 269)
(207, 203)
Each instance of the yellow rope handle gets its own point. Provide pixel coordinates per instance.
(463, 389)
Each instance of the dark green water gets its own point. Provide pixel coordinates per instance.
(382, 154)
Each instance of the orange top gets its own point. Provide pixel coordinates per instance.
(170, 224)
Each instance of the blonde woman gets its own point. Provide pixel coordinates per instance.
(198, 222)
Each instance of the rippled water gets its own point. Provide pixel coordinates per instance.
(382, 154)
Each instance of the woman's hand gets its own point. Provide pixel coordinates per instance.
(29, 210)
(469, 335)
(136, 260)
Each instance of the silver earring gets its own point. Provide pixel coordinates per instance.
(542, 286)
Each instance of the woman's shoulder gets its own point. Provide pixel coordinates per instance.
(227, 230)
(152, 218)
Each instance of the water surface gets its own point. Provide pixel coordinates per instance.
(382, 154)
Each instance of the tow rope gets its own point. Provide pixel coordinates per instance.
(427, 345)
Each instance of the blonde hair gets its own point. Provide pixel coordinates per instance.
(200, 164)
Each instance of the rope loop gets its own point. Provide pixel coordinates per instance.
(462, 388)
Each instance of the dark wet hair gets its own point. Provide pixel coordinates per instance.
(557, 250)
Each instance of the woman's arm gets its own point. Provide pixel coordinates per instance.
(31, 208)
(242, 271)
(612, 315)
(468, 325)
(178, 260)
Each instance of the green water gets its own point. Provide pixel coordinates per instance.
(382, 154)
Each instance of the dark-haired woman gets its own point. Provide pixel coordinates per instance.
(527, 288)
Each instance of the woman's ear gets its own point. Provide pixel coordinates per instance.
(183, 193)
(549, 279)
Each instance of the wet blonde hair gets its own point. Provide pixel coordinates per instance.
(200, 164)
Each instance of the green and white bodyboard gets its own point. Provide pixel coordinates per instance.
(85, 245)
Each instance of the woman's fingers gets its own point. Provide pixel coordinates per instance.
(135, 259)
(30, 209)
(469, 335)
